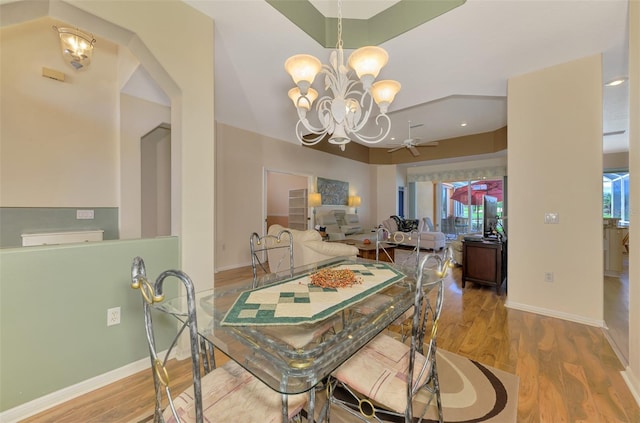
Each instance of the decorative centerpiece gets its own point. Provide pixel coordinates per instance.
(335, 278)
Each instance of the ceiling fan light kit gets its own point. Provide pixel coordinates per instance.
(347, 105)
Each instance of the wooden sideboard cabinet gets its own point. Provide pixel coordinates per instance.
(485, 262)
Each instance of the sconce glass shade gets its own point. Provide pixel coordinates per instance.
(315, 199)
(76, 46)
(354, 201)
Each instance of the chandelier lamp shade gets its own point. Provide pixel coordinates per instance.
(77, 46)
(347, 105)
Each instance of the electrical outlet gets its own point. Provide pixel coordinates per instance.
(113, 316)
(548, 276)
(85, 214)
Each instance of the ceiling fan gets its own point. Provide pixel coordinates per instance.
(412, 143)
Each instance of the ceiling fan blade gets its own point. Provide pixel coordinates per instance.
(417, 125)
(414, 151)
(606, 134)
(428, 144)
(395, 149)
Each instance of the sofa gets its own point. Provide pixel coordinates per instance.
(339, 225)
(429, 240)
(308, 247)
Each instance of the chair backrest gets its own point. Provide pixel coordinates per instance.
(262, 245)
(153, 293)
(382, 235)
(429, 315)
(429, 223)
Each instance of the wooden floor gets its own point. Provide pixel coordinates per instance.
(616, 309)
(568, 372)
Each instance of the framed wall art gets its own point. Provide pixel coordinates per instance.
(335, 193)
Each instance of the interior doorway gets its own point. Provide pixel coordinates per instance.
(155, 174)
(277, 186)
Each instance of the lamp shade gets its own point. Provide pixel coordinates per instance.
(303, 68)
(299, 100)
(315, 199)
(368, 60)
(384, 92)
(354, 201)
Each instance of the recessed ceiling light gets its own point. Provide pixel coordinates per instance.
(463, 124)
(615, 82)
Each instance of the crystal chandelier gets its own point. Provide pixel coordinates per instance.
(347, 105)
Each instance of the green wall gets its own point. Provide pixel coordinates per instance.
(53, 313)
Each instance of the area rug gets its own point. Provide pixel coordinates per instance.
(471, 392)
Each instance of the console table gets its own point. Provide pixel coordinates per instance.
(484, 262)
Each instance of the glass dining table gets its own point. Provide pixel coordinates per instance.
(291, 335)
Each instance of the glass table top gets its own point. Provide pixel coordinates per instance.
(293, 358)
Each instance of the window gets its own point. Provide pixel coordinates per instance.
(615, 196)
(462, 205)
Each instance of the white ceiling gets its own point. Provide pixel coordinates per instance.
(452, 69)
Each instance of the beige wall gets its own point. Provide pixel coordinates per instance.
(162, 53)
(188, 81)
(633, 372)
(555, 165)
(137, 118)
(59, 140)
(241, 158)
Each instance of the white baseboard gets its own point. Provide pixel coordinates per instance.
(555, 313)
(70, 392)
(633, 383)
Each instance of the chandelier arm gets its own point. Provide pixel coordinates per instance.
(381, 135)
(323, 113)
(312, 140)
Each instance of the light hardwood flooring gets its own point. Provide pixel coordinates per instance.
(568, 372)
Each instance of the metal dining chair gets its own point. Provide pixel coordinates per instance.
(384, 236)
(260, 247)
(226, 393)
(383, 379)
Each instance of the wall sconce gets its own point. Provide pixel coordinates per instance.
(77, 46)
(354, 201)
(315, 200)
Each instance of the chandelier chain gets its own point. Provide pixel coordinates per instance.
(339, 42)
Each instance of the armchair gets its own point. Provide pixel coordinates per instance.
(330, 223)
(308, 247)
